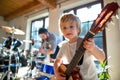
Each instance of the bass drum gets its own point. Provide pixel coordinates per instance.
(1, 64)
(14, 65)
(45, 68)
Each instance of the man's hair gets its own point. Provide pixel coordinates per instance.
(42, 31)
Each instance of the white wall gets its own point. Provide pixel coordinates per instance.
(112, 43)
(113, 46)
(2, 32)
(54, 20)
(112, 34)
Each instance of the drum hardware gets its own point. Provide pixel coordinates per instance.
(8, 73)
(42, 71)
(29, 73)
(22, 59)
(30, 64)
(42, 57)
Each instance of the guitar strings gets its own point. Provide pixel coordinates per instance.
(77, 57)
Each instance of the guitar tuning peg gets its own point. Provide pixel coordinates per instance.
(111, 21)
(102, 28)
(116, 15)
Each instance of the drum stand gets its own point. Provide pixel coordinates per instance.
(31, 66)
(8, 73)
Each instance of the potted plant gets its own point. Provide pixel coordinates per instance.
(103, 74)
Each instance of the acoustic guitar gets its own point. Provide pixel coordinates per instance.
(97, 26)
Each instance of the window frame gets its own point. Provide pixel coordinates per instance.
(87, 5)
(43, 26)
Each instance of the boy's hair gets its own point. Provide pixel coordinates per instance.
(71, 18)
(42, 31)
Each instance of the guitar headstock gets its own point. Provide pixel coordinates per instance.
(104, 16)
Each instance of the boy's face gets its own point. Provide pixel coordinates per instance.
(70, 30)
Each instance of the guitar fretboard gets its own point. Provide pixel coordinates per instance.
(77, 57)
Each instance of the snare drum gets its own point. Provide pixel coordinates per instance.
(43, 78)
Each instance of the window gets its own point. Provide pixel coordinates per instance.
(87, 14)
(36, 24)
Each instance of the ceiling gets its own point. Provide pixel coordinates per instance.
(11, 9)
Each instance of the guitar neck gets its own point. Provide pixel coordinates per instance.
(78, 55)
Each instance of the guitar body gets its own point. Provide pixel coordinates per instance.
(75, 73)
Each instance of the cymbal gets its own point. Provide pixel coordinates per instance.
(13, 30)
(27, 41)
(31, 41)
(4, 38)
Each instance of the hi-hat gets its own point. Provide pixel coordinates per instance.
(13, 30)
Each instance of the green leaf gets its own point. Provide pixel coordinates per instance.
(103, 64)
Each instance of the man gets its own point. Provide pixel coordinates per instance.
(50, 43)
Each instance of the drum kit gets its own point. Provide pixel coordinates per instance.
(39, 69)
(9, 57)
(42, 71)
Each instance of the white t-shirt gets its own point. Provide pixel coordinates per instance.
(87, 69)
